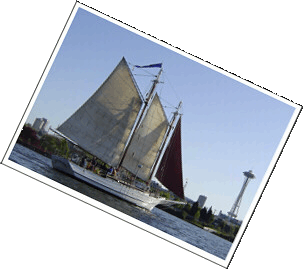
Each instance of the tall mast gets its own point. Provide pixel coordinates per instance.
(147, 101)
(175, 114)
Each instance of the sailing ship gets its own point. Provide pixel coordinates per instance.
(127, 132)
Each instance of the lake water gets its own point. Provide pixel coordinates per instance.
(156, 218)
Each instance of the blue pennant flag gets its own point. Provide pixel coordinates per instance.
(151, 66)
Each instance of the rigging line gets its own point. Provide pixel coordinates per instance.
(170, 107)
(161, 88)
(143, 75)
(148, 72)
(134, 82)
(168, 103)
(171, 85)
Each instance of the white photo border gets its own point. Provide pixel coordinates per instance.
(119, 214)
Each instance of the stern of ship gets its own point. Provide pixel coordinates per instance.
(62, 164)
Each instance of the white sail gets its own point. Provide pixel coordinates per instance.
(103, 123)
(146, 141)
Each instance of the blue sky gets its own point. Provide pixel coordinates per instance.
(227, 127)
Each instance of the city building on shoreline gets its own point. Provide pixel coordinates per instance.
(201, 200)
(40, 125)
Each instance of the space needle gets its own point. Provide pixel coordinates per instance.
(235, 207)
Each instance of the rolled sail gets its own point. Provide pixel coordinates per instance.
(103, 123)
(146, 141)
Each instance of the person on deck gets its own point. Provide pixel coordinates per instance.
(110, 171)
(83, 162)
(93, 164)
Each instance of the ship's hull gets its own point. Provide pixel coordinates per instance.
(112, 186)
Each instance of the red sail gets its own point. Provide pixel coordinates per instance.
(170, 172)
